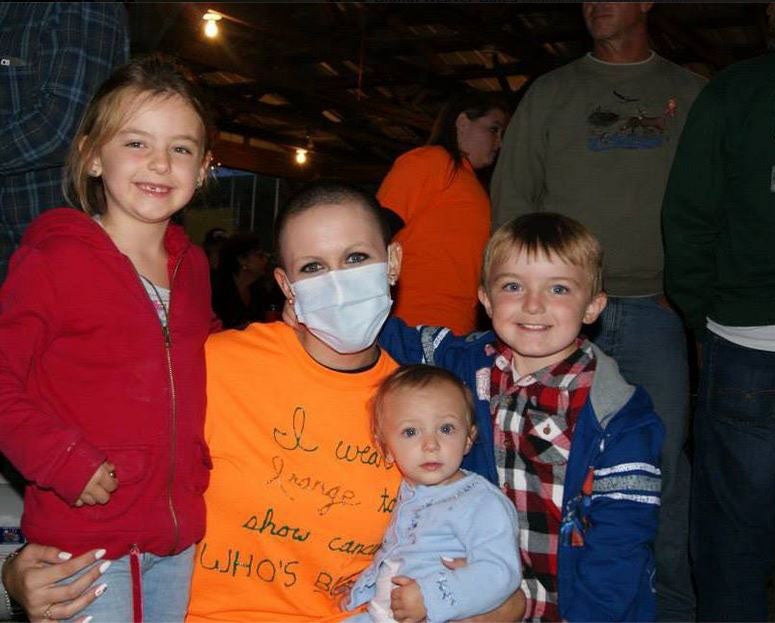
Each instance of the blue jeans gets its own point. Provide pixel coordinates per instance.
(166, 584)
(733, 514)
(648, 342)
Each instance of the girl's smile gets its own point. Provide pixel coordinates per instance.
(151, 167)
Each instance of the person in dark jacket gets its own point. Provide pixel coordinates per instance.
(719, 226)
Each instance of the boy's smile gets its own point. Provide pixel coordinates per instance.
(537, 305)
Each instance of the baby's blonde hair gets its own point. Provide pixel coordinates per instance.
(550, 234)
(417, 377)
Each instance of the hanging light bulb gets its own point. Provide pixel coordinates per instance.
(301, 156)
(211, 23)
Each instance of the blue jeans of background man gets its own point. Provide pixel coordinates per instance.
(733, 501)
(648, 342)
(166, 584)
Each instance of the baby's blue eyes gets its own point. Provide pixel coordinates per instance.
(446, 429)
(560, 289)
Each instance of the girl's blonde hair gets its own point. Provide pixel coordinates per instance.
(117, 99)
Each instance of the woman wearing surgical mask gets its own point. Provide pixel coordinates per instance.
(299, 495)
(337, 266)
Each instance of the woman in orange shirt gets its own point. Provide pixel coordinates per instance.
(446, 212)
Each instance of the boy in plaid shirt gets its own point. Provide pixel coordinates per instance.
(566, 438)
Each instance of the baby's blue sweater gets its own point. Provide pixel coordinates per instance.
(470, 519)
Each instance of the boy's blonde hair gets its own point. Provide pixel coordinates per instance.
(120, 96)
(416, 377)
(550, 234)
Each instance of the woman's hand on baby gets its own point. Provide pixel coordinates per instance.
(406, 601)
(100, 486)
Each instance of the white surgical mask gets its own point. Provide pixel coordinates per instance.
(345, 308)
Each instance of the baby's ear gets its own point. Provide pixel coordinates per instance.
(471, 438)
(382, 449)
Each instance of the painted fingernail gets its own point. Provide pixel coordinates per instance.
(447, 559)
(64, 555)
(104, 566)
(100, 589)
(99, 554)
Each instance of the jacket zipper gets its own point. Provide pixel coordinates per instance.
(136, 575)
(166, 335)
(173, 410)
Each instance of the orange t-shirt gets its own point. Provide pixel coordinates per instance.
(299, 498)
(447, 217)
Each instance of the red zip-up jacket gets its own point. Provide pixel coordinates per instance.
(88, 375)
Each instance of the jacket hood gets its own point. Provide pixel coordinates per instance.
(610, 392)
(66, 223)
(69, 223)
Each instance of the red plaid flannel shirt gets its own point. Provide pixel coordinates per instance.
(534, 418)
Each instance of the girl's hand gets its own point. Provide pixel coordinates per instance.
(100, 486)
(31, 579)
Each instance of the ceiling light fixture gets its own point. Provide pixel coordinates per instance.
(301, 156)
(211, 19)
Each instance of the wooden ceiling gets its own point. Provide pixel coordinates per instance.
(359, 83)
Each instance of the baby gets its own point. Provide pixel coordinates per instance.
(422, 420)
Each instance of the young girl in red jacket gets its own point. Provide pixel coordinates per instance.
(103, 319)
